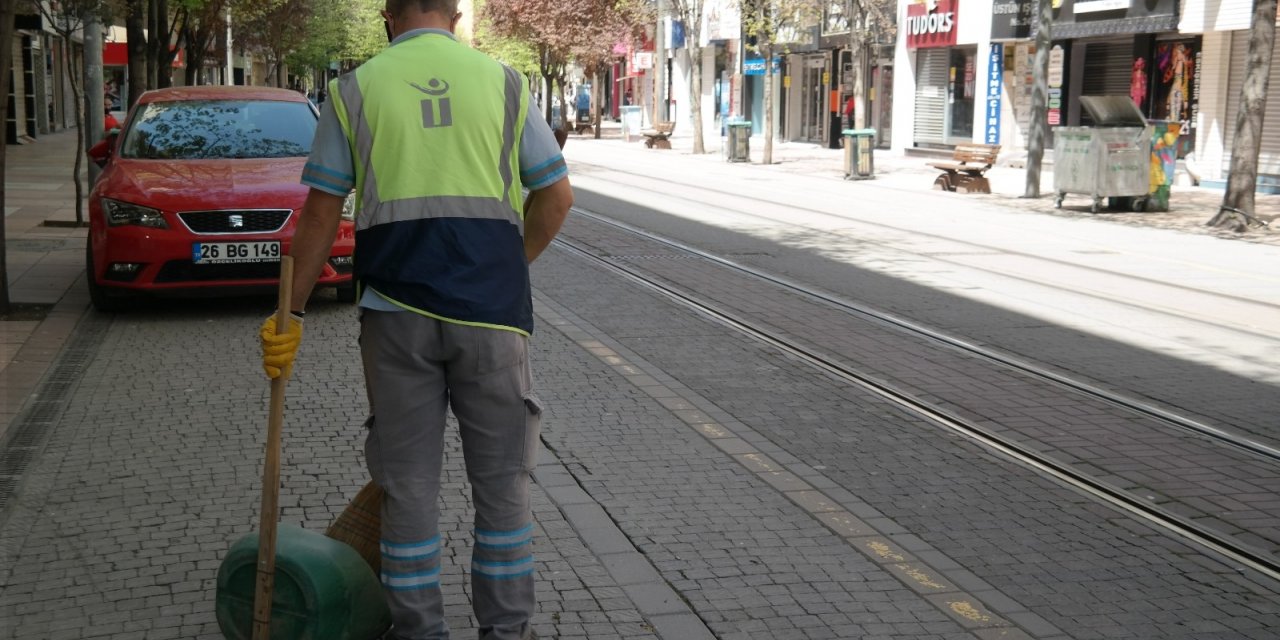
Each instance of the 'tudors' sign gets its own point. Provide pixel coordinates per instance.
(931, 23)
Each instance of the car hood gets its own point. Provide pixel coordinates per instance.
(186, 185)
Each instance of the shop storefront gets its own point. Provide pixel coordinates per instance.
(814, 71)
(1269, 154)
(945, 75)
(1133, 48)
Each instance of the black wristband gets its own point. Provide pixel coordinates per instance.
(299, 313)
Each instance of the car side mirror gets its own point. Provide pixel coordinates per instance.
(101, 153)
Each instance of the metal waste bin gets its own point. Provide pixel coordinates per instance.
(859, 161)
(739, 147)
(1109, 160)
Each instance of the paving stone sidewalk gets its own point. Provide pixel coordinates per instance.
(146, 470)
(1189, 208)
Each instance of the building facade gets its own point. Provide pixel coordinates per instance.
(965, 73)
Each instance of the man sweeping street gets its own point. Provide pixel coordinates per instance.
(437, 139)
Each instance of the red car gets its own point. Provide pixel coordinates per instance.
(200, 193)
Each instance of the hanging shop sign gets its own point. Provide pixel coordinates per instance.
(931, 24)
(1087, 18)
(1057, 60)
(755, 66)
(1011, 19)
(995, 81)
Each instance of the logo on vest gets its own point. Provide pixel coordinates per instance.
(436, 111)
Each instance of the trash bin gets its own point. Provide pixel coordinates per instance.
(1164, 162)
(739, 147)
(859, 161)
(632, 118)
(1109, 160)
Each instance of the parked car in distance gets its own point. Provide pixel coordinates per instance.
(200, 193)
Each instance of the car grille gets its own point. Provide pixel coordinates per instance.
(185, 271)
(257, 221)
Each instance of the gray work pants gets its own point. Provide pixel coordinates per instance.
(416, 367)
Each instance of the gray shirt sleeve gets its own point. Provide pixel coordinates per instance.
(541, 164)
(329, 168)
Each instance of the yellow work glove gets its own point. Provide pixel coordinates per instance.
(279, 349)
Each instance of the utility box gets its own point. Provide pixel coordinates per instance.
(738, 148)
(1111, 159)
(859, 159)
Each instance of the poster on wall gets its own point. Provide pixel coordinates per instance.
(1175, 90)
(1057, 59)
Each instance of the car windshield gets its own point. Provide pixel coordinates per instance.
(189, 130)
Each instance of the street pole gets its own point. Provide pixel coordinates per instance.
(660, 67)
(231, 76)
(95, 110)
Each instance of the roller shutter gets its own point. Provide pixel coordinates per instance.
(931, 95)
(1269, 157)
(1106, 68)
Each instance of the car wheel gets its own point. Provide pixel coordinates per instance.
(346, 293)
(102, 300)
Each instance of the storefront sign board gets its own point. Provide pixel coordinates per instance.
(931, 23)
(1011, 19)
(995, 85)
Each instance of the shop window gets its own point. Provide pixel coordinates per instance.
(963, 88)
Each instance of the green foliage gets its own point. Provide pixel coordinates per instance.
(363, 36)
(325, 32)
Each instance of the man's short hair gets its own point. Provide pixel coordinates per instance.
(445, 7)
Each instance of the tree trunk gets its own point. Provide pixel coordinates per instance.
(93, 95)
(135, 26)
(7, 10)
(767, 158)
(82, 126)
(1243, 177)
(153, 43)
(695, 94)
(1040, 99)
(857, 60)
(549, 90)
(597, 93)
(197, 42)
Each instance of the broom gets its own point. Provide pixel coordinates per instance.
(360, 524)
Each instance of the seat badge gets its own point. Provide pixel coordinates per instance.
(236, 221)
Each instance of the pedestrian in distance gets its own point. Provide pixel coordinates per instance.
(437, 139)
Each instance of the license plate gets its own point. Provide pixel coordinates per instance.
(227, 252)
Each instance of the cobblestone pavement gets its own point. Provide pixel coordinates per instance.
(1123, 308)
(696, 485)
(1189, 208)
(1073, 565)
(1180, 472)
(153, 470)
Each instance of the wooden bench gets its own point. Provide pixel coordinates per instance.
(658, 136)
(582, 124)
(966, 171)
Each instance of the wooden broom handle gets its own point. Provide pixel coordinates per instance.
(266, 582)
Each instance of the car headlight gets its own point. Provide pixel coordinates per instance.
(349, 207)
(122, 213)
